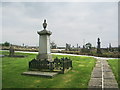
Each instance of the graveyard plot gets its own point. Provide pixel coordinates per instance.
(78, 77)
(115, 65)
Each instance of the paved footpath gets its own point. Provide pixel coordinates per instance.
(102, 76)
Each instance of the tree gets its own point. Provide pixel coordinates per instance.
(6, 44)
(88, 46)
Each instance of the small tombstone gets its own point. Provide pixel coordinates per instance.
(77, 47)
(68, 47)
(11, 51)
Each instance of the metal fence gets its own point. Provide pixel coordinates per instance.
(58, 64)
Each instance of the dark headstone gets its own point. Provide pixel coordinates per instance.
(68, 47)
(98, 47)
(110, 47)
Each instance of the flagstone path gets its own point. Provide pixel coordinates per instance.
(102, 76)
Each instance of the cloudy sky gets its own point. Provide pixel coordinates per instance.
(70, 22)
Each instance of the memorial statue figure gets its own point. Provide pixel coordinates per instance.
(44, 24)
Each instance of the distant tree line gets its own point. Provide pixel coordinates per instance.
(6, 44)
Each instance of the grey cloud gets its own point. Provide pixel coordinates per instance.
(69, 22)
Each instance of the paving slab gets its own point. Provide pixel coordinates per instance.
(98, 65)
(108, 75)
(110, 83)
(97, 69)
(38, 73)
(95, 88)
(107, 69)
(95, 83)
(96, 75)
(98, 62)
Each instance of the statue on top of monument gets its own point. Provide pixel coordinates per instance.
(98, 39)
(44, 24)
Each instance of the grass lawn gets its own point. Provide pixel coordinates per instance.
(0, 72)
(78, 77)
(114, 63)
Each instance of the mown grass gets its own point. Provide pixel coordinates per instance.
(0, 71)
(78, 77)
(114, 64)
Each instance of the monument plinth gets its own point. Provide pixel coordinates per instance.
(44, 44)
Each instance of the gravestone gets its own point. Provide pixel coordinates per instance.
(77, 47)
(11, 51)
(98, 47)
(110, 47)
(53, 45)
(68, 47)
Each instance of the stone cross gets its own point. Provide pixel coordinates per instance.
(44, 44)
(98, 46)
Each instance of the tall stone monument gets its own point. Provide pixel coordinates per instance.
(44, 44)
(98, 46)
(43, 64)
